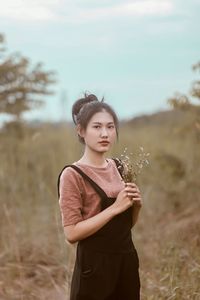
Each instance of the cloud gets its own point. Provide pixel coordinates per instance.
(74, 12)
(125, 9)
(29, 10)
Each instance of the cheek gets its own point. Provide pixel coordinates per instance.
(113, 136)
(90, 135)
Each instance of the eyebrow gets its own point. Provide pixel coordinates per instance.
(99, 123)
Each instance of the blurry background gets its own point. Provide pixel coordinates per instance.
(143, 57)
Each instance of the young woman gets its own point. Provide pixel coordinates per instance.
(98, 210)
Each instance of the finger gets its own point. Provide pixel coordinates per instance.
(134, 195)
(130, 195)
(137, 201)
(130, 184)
(131, 189)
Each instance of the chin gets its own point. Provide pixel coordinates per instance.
(100, 150)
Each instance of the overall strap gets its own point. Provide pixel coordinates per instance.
(119, 165)
(97, 188)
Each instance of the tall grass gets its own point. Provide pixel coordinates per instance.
(35, 260)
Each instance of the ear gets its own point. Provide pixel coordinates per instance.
(80, 131)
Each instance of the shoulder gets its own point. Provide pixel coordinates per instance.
(117, 164)
(70, 175)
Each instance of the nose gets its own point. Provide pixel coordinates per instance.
(104, 132)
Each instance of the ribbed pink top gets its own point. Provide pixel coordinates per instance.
(78, 199)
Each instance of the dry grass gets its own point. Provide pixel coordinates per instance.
(35, 261)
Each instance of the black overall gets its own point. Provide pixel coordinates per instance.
(107, 264)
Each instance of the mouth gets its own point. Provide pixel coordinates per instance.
(104, 143)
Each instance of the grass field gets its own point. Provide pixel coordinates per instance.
(36, 262)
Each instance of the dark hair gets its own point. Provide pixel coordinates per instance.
(84, 108)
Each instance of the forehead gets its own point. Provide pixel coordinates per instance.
(102, 117)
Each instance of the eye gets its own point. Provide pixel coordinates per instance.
(96, 126)
(111, 126)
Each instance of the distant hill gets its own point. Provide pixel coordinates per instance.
(161, 118)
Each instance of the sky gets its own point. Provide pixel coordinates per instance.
(134, 53)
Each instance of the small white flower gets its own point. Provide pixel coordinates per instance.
(132, 167)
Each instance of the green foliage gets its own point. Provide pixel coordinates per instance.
(195, 92)
(190, 131)
(185, 103)
(20, 84)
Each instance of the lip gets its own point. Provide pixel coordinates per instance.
(104, 143)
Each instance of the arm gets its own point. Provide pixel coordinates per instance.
(136, 200)
(135, 214)
(85, 228)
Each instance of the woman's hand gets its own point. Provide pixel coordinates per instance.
(129, 196)
(135, 194)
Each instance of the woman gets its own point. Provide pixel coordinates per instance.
(98, 210)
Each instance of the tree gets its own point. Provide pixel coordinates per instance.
(20, 85)
(184, 102)
(192, 130)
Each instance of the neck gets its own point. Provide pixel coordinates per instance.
(93, 158)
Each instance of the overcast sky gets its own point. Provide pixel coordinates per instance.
(135, 53)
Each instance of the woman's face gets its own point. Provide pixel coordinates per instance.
(100, 133)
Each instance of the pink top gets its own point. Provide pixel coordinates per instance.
(78, 199)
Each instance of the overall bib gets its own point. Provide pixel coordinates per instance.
(107, 264)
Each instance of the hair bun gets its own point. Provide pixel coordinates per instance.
(77, 106)
(91, 98)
